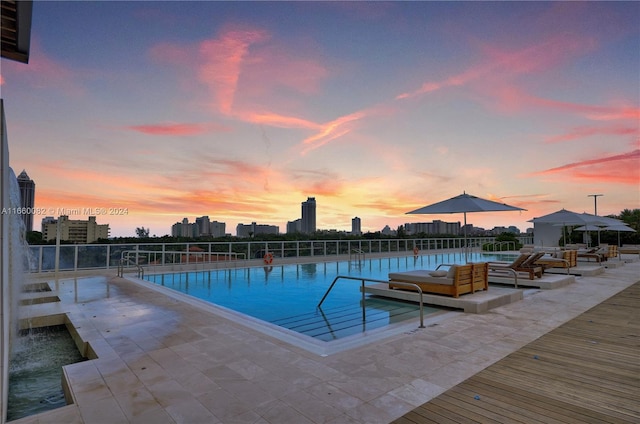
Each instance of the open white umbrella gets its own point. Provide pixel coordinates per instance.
(619, 228)
(465, 203)
(587, 228)
(565, 217)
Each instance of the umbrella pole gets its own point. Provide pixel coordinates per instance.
(465, 237)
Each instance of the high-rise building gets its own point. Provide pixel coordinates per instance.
(217, 229)
(294, 226)
(309, 216)
(356, 226)
(203, 226)
(249, 230)
(27, 198)
(183, 229)
(74, 230)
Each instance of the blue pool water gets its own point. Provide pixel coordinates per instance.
(288, 295)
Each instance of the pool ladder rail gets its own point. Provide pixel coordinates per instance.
(358, 253)
(371, 280)
(124, 262)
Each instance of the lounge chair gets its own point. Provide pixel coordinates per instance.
(593, 253)
(480, 276)
(525, 263)
(459, 279)
(565, 259)
(607, 251)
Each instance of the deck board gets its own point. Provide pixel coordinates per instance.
(585, 371)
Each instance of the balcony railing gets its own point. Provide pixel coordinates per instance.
(108, 256)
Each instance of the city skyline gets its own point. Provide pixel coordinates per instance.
(239, 110)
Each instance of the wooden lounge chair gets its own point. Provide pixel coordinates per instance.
(524, 263)
(530, 267)
(593, 253)
(630, 249)
(480, 276)
(566, 259)
(460, 279)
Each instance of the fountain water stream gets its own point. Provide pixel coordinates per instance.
(32, 360)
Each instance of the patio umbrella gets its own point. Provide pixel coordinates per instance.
(565, 217)
(464, 203)
(619, 228)
(587, 228)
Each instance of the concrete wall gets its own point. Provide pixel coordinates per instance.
(4, 268)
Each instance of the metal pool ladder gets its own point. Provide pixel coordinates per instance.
(362, 280)
(127, 261)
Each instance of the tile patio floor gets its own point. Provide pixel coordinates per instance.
(161, 360)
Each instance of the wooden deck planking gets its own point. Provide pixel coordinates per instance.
(585, 371)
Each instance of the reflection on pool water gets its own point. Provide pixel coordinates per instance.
(288, 295)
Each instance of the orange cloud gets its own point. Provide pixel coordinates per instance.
(337, 128)
(621, 169)
(277, 120)
(177, 129)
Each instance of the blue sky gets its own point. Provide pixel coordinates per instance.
(241, 110)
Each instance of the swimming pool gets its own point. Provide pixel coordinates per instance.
(288, 295)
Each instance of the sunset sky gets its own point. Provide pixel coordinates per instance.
(242, 110)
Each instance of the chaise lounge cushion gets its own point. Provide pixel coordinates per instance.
(438, 273)
(452, 271)
(419, 276)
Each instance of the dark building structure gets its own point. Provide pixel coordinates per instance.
(27, 198)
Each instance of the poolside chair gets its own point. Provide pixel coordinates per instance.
(524, 263)
(591, 253)
(516, 262)
(564, 259)
(455, 282)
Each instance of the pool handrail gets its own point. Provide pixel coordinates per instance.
(127, 261)
(372, 280)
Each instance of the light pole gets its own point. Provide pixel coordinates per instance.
(595, 209)
(595, 202)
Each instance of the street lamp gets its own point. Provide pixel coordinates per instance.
(595, 202)
(595, 209)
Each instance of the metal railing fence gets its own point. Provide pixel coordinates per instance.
(108, 256)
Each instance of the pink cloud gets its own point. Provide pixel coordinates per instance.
(222, 62)
(330, 130)
(499, 63)
(581, 132)
(274, 66)
(244, 70)
(177, 129)
(596, 113)
(621, 169)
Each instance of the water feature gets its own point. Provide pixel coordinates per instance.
(36, 356)
(35, 374)
(22, 352)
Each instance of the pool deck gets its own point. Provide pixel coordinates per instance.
(586, 370)
(164, 360)
(476, 303)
